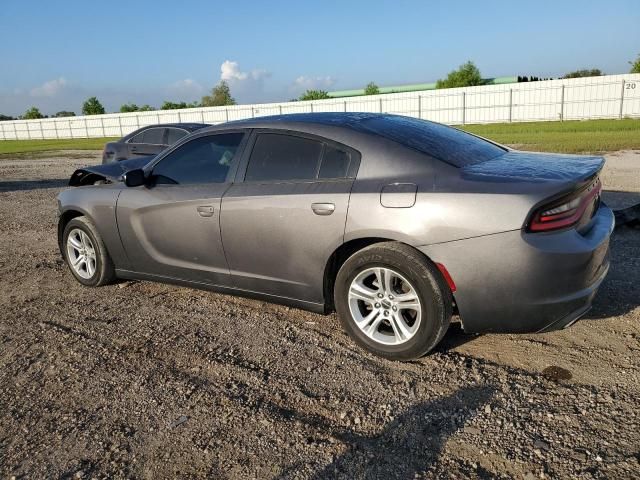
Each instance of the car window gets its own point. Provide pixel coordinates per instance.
(153, 136)
(335, 163)
(445, 143)
(202, 160)
(283, 157)
(175, 134)
(137, 138)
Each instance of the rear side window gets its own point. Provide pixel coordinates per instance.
(175, 134)
(444, 143)
(153, 136)
(202, 160)
(335, 163)
(283, 157)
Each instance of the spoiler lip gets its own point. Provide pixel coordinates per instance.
(517, 166)
(111, 172)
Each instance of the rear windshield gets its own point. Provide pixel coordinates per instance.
(448, 144)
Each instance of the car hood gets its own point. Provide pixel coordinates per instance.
(528, 167)
(111, 172)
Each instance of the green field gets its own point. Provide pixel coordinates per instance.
(568, 137)
(26, 146)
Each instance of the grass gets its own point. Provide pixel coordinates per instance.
(28, 146)
(566, 137)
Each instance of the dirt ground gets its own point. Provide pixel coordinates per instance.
(143, 380)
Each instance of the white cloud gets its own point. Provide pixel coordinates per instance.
(230, 72)
(313, 83)
(50, 88)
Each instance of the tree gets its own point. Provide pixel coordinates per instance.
(467, 75)
(220, 96)
(371, 89)
(635, 66)
(146, 108)
(167, 105)
(594, 72)
(129, 107)
(92, 107)
(314, 95)
(32, 113)
(64, 113)
(5, 117)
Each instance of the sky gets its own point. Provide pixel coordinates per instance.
(54, 55)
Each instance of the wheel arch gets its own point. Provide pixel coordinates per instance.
(65, 218)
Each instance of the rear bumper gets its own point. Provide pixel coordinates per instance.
(516, 282)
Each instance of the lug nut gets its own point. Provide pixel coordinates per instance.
(394, 308)
(377, 305)
(386, 312)
(380, 295)
(390, 297)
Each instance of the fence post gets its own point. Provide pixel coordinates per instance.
(562, 104)
(86, 128)
(41, 130)
(179, 117)
(420, 107)
(55, 125)
(3, 135)
(280, 109)
(311, 105)
(120, 125)
(102, 125)
(622, 98)
(226, 114)
(345, 105)
(380, 107)
(137, 121)
(510, 105)
(464, 107)
(28, 130)
(202, 115)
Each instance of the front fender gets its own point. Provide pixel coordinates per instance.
(98, 204)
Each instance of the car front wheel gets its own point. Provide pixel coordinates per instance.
(393, 301)
(86, 254)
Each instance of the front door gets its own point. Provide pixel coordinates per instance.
(281, 224)
(170, 227)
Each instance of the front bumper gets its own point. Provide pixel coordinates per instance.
(516, 282)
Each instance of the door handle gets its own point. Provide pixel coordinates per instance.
(205, 211)
(323, 208)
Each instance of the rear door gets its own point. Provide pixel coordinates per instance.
(171, 227)
(286, 214)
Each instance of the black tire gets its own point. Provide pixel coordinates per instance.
(433, 292)
(105, 271)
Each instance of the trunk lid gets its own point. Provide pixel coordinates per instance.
(529, 167)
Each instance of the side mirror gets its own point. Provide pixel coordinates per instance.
(134, 178)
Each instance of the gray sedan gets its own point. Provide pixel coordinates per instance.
(393, 222)
(148, 141)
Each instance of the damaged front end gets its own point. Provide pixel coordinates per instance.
(107, 173)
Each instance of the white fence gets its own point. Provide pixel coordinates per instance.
(611, 96)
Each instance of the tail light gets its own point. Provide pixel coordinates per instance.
(566, 211)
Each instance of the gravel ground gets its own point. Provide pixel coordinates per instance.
(142, 380)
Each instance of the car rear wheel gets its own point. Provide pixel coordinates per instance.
(86, 254)
(393, 301)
